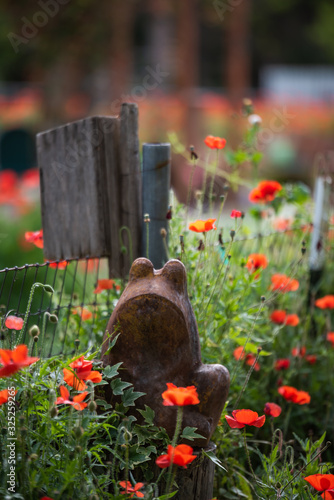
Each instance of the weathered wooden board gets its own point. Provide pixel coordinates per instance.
(90, 188)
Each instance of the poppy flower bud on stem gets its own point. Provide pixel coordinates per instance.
(92, 406)
(48, 288)
(77, 343)
(34, 331)
(53, 318)
(53, 412)
(232, 234)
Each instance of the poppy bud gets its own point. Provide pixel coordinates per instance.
(198, 194)
(123, 250)
(242, 215)
(78, 449)
(36, 338)
(77, 343)
(147, 218)
(226, 188)
(53, 318)
(222, 198)
(181, 239)
(33, 457)
(303, 249)
(48, 288)
(78, 432)
(263, 299)
(232, 234)
(34, 331)
(201, 246)
(92, 406)
(53, 412)
(193, 155)
(163, 232)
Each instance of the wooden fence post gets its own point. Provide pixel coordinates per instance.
(320, 227)
(91, 189)
(155, 200)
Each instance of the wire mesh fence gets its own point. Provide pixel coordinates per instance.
(84, 296)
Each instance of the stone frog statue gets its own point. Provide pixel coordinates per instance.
(159, 343)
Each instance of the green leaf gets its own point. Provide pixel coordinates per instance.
(130, 396)
(118, 386)
(148, 415)
(111, 371)
(102, 402)
(214, 459)
(190, 433)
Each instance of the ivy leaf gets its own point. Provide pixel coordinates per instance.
(130, 396)
(118, 386)
(148, 415)
(111, 371)
(190, 433)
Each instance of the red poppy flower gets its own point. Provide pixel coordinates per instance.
(292, 320)
(46, 498)
(272, 409)
(241, 418)
(75, 401)
(282, 364)
(83, 312)
(239, 353)
(292, 394)
(180, 455)
(180, 396)
(30, 178)
(256, 261)
(106, 284)
(126, 485)
(4, 396)
(311, 358)
(35, 237)
(321, 482)
(59, 265)
(81, 371)
(264, 192)
(202, 226)
(298, 352)
(8, 180)
(283, 283)
(326, 302)
(14, 323)
(328, 495)
(250, 359)
(13, 361)
(235, 214)
(215, 142)
(330, 337)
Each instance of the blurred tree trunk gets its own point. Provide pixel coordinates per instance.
(122, 15)
(238, 53)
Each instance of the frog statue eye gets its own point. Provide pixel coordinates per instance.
(141, 268)
(175, 272)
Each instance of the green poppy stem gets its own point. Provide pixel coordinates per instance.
(171, 474)
(247, 453)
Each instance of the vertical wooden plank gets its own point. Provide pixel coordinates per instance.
(74, 198)
(130, 183)
(155, 199)
(320, 222)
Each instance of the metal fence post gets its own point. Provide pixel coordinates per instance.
(155, 199)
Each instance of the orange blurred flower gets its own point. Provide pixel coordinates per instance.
(250, 360)
(282, 364)
(180, 396)
(75, 401)
(215, 142)
(283, 283)
(14, 360)
(202, 226)
(240, 418)
(14, 323)
(128, 488)
(35, 237)
(292, 394)
(256, 261)
(281, 318)
(83, 312)
(264, 192)
(236, 213)
(330, 337)
(4, 396)
(180, 455)
(59, 265)
(281, 224)
(106, 284)
(239, 353)
(272, 409)
(322, 482)
(298, 352)
(326, 302)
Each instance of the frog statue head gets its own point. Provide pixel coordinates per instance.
(159, 343)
